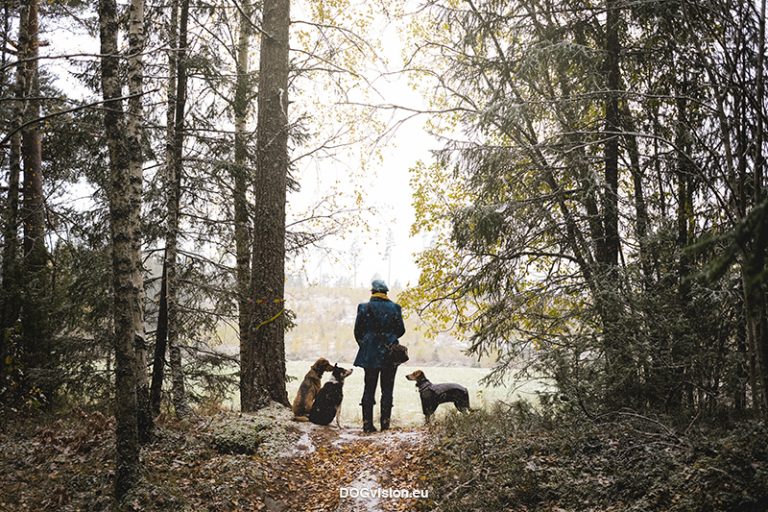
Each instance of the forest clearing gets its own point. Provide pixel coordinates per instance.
(517, 249)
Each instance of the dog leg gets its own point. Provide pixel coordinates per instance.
(338, 415)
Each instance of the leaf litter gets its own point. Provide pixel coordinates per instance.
(225, 461)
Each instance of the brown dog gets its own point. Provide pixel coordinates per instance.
(309, 389)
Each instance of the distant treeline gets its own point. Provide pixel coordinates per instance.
(324, 318)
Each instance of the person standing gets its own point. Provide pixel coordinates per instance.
(379, 323)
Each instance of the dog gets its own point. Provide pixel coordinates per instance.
(328, 402)
(310, 387)
(433, 395)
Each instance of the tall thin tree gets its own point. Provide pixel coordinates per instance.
(174, 169)
(10, 271)
(240, 177)
(754, 266)
(134, 122)
(125, 223)
(36, 279)
(609, 247)
(161, 334)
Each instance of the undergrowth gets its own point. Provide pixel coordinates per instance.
(516, 458)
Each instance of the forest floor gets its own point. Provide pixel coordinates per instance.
(223, 461)
(512, 458)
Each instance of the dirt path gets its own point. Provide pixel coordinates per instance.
(326, 460)
(224, 462)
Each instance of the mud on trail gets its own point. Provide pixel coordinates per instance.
(326, 460)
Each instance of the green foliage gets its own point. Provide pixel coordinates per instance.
(83, 315)
(518, 201)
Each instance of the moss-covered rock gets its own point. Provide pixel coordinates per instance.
(241, 437)
(268, 432)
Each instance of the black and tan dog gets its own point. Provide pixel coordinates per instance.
(328, 402)
(310, 387)
(433, 395)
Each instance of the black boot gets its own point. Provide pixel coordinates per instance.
(368, 419)
(386, 412)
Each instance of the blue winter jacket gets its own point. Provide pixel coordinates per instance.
(378, 322)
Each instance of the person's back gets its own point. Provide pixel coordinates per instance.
(379, 323)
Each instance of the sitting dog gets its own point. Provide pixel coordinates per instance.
(328, 402)
(310, 387)
(433, 395)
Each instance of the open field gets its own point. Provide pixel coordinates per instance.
(407, 406)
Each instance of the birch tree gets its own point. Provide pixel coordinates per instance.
(125, 209)
(134, 126)
(241, 181)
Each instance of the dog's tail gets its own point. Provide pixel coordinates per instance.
(300, 418)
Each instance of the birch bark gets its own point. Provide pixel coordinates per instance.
(126, 280)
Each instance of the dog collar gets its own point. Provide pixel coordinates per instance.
(423, 385)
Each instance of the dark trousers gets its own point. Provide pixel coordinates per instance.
(387, 374)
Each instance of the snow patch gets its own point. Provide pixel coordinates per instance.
(349, 436)
(392, 437)
(361, 501)
(304, 446)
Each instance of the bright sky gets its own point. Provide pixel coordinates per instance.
(386, 188)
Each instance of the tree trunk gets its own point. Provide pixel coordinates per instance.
(10, 305)
(755, 309)
(263, 372)
(161, 342)
(675, 375)
(684, 192)
(619, 370)
(612, 127)
(741, 376)
(161, 334)
(760, 101)
(641, 209)
(755, 281)
(135, 171)
(240, 176)
(10, 270)
(124, 205)
(38, 357)
(174, 170)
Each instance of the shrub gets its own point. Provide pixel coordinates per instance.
(519, 458)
